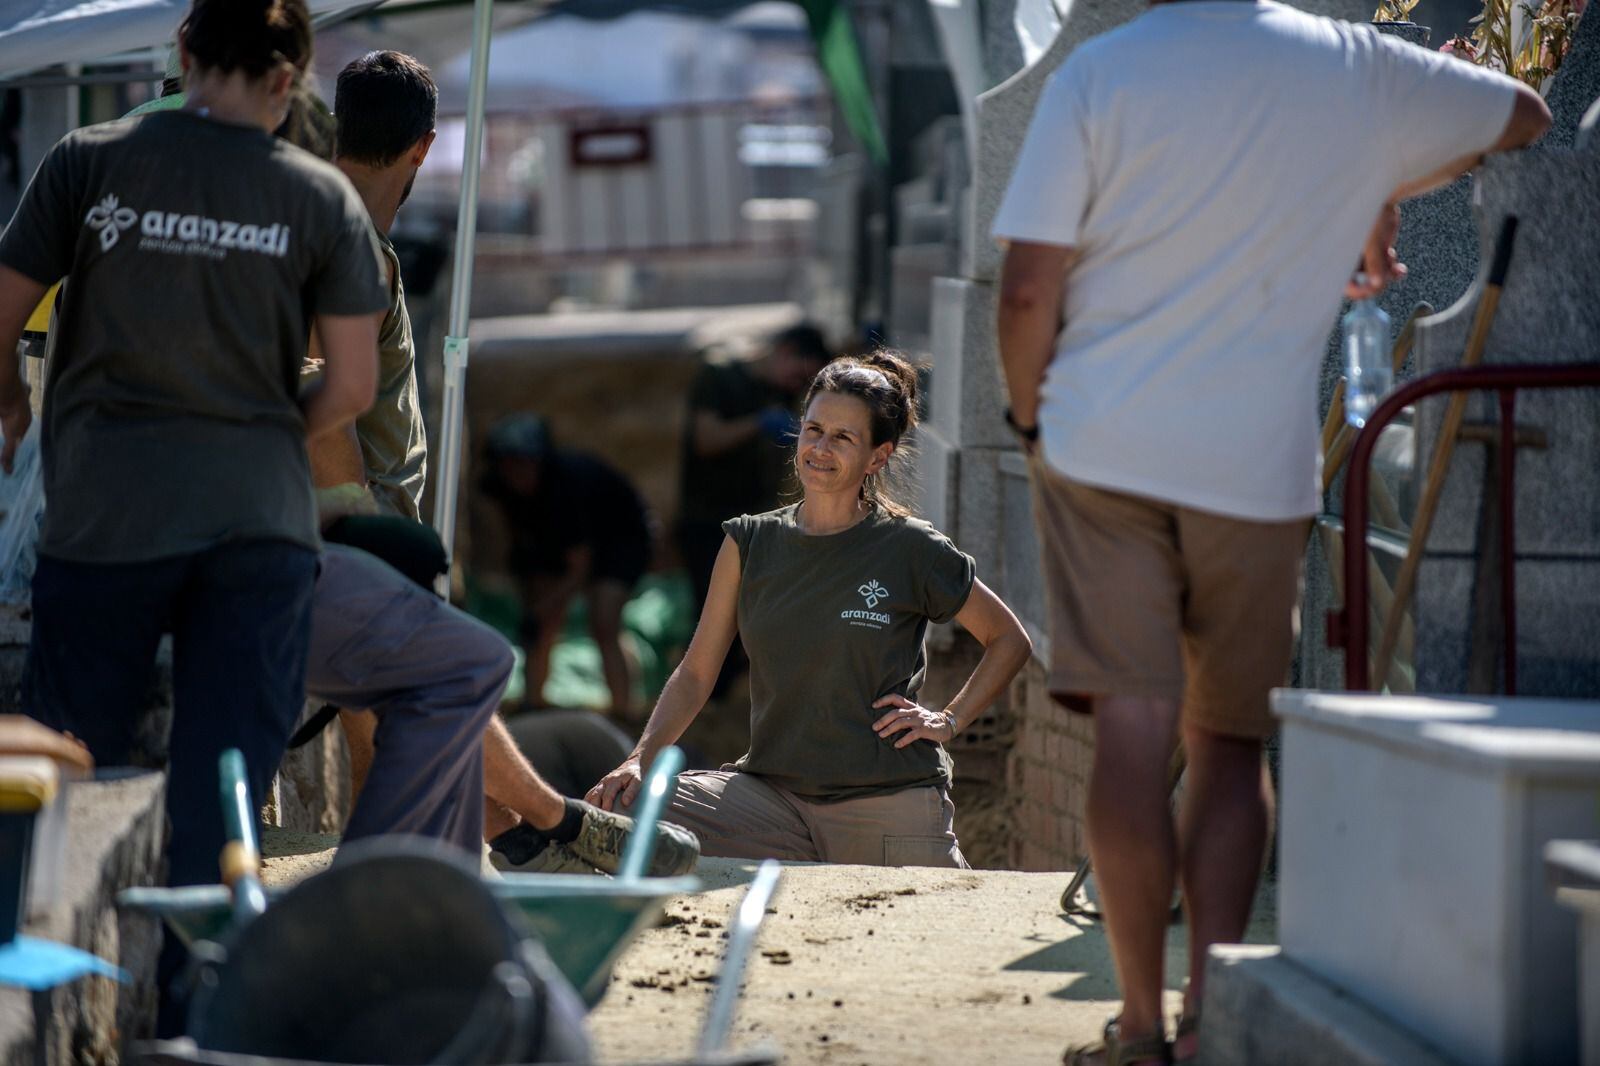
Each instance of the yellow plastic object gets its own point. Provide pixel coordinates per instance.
(39, 321)
(28, 783)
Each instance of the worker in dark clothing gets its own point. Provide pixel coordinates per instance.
(737, 445)
(575, 525)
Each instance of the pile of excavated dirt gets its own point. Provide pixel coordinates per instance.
(860, 965)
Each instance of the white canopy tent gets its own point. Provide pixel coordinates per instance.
(36, 34)
(46, 33)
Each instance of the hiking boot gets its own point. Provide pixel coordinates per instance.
(605, 834)
(553, 858)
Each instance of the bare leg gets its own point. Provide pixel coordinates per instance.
(606, 600)
(511, 783)
(359, 727)
(1134, 848)
(550, 609)
(1223, 825)
(497, 819)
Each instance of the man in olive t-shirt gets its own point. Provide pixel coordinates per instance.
(385, 106)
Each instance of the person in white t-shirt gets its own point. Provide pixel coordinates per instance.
(1194, 192)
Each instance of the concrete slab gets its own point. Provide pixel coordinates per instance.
(116, 835)
(1263, 1010)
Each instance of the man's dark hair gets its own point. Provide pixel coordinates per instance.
(804, 340)
(384, 103)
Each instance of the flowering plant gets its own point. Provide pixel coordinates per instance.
(1529, 48)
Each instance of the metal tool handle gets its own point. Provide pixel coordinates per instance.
(746, 924)
(658, 786)
(241, 856)
(1405, 581)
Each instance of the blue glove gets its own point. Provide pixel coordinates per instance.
(780, 426)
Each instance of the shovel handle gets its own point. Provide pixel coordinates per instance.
(241, 856)
(658, 787)
(746, 924)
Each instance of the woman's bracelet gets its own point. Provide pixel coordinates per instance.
(951, 716)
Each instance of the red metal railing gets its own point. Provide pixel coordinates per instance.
(1348, 626)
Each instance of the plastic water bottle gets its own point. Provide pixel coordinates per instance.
(1368, 370)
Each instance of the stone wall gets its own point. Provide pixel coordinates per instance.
(1547, 314)
(116, 839)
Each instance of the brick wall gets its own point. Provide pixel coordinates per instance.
(1047, 777)
(1022, 770)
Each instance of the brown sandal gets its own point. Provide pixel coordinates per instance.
(1119, 1052)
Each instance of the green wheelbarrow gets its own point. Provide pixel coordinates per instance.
(585, 922)
(400, 953)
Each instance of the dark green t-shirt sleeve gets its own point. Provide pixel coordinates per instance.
(948, 574)
(40, 240)
(743, 531)
(349, 280)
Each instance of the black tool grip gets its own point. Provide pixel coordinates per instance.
(1502, 251)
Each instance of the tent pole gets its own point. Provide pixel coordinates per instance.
(449, 459)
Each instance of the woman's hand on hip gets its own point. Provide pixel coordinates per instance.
(913, 722)
(619, 786)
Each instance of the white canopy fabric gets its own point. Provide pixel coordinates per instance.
(42, 33)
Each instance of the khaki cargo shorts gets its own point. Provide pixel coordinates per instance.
(1151, 599)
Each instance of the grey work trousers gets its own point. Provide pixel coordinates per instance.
(742, 816)
(433, 675)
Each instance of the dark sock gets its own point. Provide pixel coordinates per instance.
(522, 842)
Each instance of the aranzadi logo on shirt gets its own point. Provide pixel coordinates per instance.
(175, 233)
(872, 593)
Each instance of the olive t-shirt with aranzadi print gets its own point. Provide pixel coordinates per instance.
(833, 623)
(197, 254)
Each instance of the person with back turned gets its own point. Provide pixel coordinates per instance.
(1178, 240)
(175, 432)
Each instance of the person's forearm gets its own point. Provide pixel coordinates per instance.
(13, 389)
(349, 381)
(1026, 346)
(19, 295)
(1029, 320)
(681, 700)
(336, 459)
(328, 410)
(510, 781)
(713, 436)
(1002, 659)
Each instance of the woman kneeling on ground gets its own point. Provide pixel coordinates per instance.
(832, 597)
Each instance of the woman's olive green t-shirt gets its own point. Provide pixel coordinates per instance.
(832, 624)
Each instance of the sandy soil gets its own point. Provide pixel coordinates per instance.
(878, 966)
(860, 965)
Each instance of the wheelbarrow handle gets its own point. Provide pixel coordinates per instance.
(658, 787)
(241, 856)
(746, 924)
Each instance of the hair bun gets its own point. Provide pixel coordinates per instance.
(254, 36)
(898, 370)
